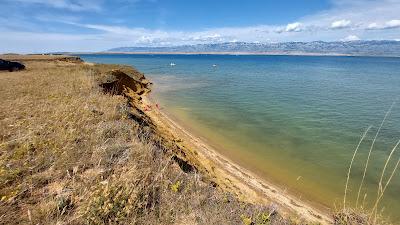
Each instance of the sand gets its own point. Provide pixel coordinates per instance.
(232, 177)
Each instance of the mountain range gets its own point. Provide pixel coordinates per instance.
(363, 48)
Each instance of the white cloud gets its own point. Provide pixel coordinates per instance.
(79, 5)
(373, 26)
(294, 27)
(351, 38)
(340, 24)
(360, 13)
(392, 24)
(369, 19)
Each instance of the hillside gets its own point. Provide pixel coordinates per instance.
(362, 48)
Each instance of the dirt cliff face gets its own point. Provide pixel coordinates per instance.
(126, 81)
(120, 83)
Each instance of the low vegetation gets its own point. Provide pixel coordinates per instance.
(71, 154)
(74, 151)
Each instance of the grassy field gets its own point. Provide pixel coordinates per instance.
(72, 154)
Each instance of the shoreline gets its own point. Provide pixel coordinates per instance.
(227, 53)
(232, 53)
(231, 176)
(215, 166)
(237, 191)
(218, 145)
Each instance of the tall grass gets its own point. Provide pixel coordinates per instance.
(351, 165)
(369, 153)
(381, 189)
(360, 215)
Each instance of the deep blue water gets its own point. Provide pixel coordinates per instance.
(292, 119)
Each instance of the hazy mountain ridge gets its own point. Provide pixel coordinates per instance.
(370, 48)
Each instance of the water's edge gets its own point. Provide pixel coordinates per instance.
(294, 121)
(232, 176)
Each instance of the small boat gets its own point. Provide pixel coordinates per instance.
(172, 64)
(214, 65)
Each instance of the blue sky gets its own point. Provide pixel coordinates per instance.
(90, 25)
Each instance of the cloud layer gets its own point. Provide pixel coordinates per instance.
(346, 20)
(77, 5)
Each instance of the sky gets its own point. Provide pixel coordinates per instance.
(37, 26)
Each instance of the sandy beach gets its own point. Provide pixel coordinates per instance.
(232, 177)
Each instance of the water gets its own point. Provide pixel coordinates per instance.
(295, 120)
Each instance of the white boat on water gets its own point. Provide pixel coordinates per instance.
(172, 64)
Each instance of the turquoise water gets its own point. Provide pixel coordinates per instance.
(295, 120)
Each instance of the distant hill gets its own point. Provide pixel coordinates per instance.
(366, 48)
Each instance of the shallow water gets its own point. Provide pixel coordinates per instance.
(295, 120)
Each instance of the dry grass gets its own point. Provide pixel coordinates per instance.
(70, 154)
(351, 165)
(369, 154)
(359, 215)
